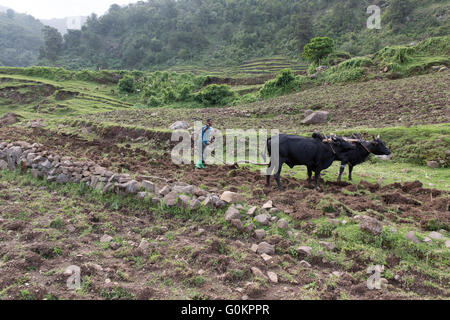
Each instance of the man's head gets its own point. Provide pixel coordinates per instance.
(209, 123)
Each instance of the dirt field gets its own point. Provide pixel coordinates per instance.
(44, 229)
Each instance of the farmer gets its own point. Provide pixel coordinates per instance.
(204, 142)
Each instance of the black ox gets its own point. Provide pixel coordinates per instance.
(360, 154)
(312, 153)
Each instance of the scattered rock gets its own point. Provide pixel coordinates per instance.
(252, 211)
(263, 219)
(427, 240)
(258, 273)
(412, 237)
(143, 246)
(254, 248)
(444, 68)
(171, 199)
(304, 251)
(447, 243)
(106, 238)
(148, 186)
(237, 223)
(165, 191)
(266, 248)
(305, 264)
(3, 165)
(316, 117)
(266, 258)
(194, 204)
(433, 164)
(435, 235)
(282, 224)
(260, 234)
(272, 276)
(231, 197)
(184, 201)
(268, 205)
(179, 125)
(232, 213)
(371, 225)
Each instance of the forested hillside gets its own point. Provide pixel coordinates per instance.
(20, 39)
(209, 32)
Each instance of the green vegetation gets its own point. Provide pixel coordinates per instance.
(158, 34)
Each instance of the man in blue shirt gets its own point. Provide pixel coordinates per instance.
(205, 134)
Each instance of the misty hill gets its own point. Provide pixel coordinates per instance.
(210, 32)
(20, 39)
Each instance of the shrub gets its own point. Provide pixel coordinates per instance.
(127, 84)
(215, 95)
(284, 82)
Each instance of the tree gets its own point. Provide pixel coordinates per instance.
(53, 43)
(318, 49)
(399, 10)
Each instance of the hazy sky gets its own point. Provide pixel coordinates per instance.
(47, 9)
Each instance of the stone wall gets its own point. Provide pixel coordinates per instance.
(60, 169)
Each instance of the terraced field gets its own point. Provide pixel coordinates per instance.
(251, 68)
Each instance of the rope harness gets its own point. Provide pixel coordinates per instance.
(360, 142)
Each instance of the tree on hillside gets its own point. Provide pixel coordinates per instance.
(53, 43)
(318, 49)
(398, 11)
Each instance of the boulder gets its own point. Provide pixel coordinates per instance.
(237, 223)
(305, 264)
(282, 224)
(171, 199)
(143, 246)
(231, 197)
(263, 219)
(3, 165)
(304, 251)
(179, 125)
(148, 186)
(106, 238)
(62, 178)
(433, 164)
(164, 191)
(184, 201)
(260, 234)
(272, 276)
(435, 235)
(371, 225)
(132, 187)
(316, 118)
(258, 273)
(232, 213)
(194, 204)
(184, 189)
(266, 248)
(268, 205)
(252, 211)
